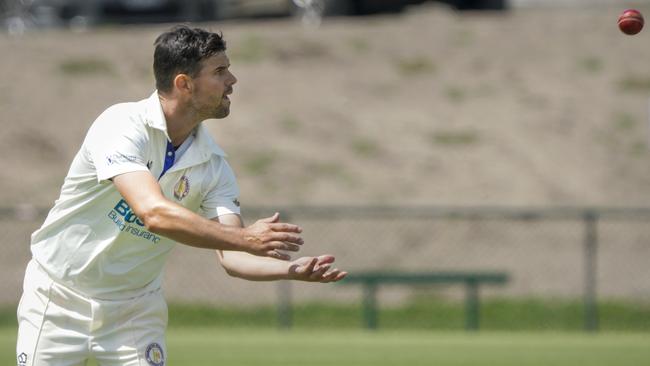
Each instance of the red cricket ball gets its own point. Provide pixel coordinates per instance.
(630, 21)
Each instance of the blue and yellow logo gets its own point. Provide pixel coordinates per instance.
(182, 188)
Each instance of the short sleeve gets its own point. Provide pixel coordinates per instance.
(223, 197)
(116, 144)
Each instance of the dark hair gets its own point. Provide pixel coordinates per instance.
(180, 51)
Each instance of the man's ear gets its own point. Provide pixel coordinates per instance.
(183, 84)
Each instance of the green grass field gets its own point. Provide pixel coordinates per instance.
(264, 347)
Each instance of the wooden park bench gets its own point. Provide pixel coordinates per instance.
(471, 280)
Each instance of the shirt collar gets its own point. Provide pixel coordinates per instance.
(204, 141)
(155, 118)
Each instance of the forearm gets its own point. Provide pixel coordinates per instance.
(253, 268)
(184, 226)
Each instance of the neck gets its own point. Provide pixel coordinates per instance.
(181, 120)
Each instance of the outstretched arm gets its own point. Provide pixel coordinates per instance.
(246, 266)
(266, 237)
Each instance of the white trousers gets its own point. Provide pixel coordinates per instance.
(60, 327)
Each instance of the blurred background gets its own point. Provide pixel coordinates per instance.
(456, 139)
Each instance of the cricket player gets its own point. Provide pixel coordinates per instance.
(146, 177)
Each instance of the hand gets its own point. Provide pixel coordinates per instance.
(315, 269)
(268, 237)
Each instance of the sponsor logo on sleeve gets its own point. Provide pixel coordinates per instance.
(120, 158)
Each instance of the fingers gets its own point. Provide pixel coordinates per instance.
(271, 219)
(286, 228)
(317, 274)
(269, 237)
(311, 265)
(332, 276)
(272, 245)
(281, 245)
(317, 271)
(285, 237)
(326, 258)
(277, 250)
(276, 225)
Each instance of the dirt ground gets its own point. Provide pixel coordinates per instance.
(528, 107)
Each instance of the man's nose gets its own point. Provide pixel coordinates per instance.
(233, 79)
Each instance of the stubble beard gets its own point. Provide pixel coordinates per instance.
(212, 112)
(222, 111)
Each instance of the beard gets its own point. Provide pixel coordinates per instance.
(210, 111)
(222, 111)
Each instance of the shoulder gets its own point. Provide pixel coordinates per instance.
(217, 173)
(226, 175)
(218, 165)
(121, 118)
(122, 112)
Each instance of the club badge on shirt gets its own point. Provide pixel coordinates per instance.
(182, 188)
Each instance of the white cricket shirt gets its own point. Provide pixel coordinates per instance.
(91, 241)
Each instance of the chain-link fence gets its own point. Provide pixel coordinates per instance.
(565, 253)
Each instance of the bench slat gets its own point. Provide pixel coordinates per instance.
(424, 277)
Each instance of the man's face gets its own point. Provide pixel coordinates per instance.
(212, 86)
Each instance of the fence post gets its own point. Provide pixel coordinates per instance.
(591, 251)
(285, 311)
(370, 304)
(471, 305)
(285, 306)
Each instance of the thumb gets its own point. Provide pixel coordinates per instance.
(326, 258)
(308, 266)
(271, 219)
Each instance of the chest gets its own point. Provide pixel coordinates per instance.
(184, 186)
(181, 178)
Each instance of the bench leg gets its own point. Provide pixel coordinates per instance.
(370, 305)
(285, 308)
(471, 306)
